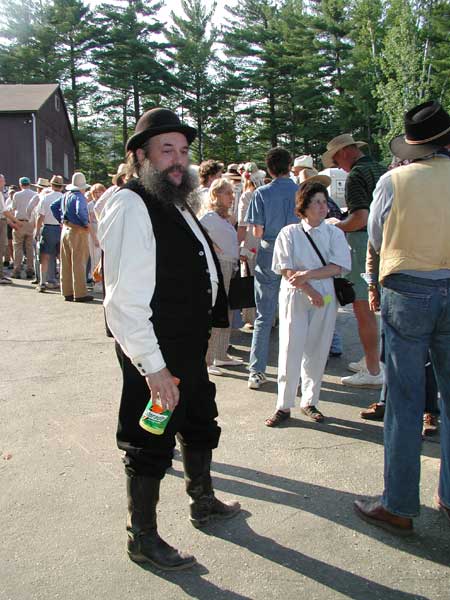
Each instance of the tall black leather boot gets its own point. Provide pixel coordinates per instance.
(144, 543)
(204, 506)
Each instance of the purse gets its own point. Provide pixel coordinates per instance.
(242, 290)
(343, 288)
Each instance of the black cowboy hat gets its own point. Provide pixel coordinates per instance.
(157, 121)
(427, 128)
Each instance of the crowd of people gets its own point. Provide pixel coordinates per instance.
(167, 238)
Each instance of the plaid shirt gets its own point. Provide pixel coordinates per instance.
(361, 182)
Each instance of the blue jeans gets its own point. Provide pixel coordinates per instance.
(267, 287)
(336, 343)
(416, 319)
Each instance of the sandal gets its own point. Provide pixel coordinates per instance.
(313, 413)
(278, 417)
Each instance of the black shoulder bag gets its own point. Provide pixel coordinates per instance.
(342, 287)
(242, 290)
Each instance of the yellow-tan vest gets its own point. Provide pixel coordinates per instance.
(416, 233)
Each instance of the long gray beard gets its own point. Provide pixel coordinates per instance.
(158, 184)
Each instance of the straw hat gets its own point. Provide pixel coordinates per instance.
(336, 144)
(232, 172)
(57, 180)
(312, 175)
(78, 183)
(121, 170)
(305, 161)
(41, 183)
(427, 128)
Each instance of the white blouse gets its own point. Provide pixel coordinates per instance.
(223, 234)
(294, 251)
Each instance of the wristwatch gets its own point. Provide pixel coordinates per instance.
(372, 287)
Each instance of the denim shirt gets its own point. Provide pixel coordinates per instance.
(272, 206)
(72, 207)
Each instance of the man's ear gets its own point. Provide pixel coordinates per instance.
(140, 154)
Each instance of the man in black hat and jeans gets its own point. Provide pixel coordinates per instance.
(163, 293)
(409, 226)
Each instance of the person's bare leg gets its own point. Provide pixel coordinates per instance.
(368, 334)
(44, 260)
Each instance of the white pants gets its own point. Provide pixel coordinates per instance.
(305, 334)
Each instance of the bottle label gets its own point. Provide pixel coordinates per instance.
(155, 417)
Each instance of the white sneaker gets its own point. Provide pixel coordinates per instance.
(5, 281)
(364, 379)
(231, 361)
(256, 380)
(360, 365)
(213, 370)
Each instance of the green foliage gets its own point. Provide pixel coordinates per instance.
(289, 72)
(192, 39)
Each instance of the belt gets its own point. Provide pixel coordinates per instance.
(70, 224)
(24, 220)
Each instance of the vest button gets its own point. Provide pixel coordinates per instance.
(209, 312)
(201, 253)
(209, 291)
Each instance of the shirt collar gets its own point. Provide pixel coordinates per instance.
(307, 227)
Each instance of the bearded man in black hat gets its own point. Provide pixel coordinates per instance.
(163, 293)
(409, 226)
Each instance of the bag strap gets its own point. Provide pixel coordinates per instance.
(315, 247)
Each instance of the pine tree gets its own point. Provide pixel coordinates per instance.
(192, 39)
(29, 54)
(401, 65)
(129, 57)
(71, 20)
(249, 42)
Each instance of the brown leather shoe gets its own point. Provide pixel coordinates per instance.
(443, 509)
(374, 513)
(374, 412)
(430, 424)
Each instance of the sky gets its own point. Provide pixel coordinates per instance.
(175, 5)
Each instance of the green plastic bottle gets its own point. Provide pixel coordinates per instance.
(154, 418)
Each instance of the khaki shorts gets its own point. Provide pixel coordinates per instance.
(358, 243)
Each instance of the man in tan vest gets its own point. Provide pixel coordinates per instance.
(409, 226)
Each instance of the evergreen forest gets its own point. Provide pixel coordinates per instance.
(272, 72)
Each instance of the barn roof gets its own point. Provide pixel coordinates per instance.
(25, 98)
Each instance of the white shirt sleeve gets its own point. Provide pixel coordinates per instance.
(126, 237)
(283, 252)
(339, 250)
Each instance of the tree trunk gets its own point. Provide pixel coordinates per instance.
(137, 108)
(272, 121)
(124, 118)
(73, 80)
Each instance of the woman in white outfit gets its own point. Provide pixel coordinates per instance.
(307, 301)
(224, 236)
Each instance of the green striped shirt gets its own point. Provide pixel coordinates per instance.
(361, 182)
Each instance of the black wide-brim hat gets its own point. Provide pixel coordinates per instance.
(427, 128)
(157, 121)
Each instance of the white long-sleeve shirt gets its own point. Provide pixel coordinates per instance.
(127, 239)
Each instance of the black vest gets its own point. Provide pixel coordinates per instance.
(181, 303)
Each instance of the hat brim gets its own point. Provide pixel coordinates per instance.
(323, 179)
(327, 157)
(75, 188)
(138, 139)
(401, 149)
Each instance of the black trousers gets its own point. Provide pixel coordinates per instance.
(193, 420)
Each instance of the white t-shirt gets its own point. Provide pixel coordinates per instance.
(223, 234)
(44, 207)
